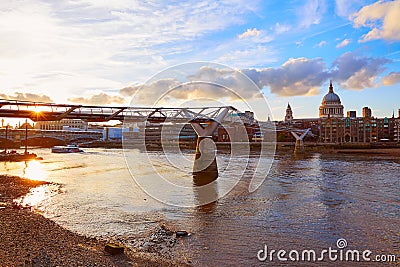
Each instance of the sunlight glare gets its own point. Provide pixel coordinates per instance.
(34, 171)
(35, 196)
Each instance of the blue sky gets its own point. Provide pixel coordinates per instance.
(88, 51)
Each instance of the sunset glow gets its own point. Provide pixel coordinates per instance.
(98, 52)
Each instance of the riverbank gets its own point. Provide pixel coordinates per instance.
(29, 239)
(345, 149)
(377, 151)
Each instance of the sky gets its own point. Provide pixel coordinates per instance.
(102, 52)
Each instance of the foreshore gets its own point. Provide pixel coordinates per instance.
(29, 239)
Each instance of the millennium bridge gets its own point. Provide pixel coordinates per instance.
(204, 121)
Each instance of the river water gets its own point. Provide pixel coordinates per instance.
(305, 203)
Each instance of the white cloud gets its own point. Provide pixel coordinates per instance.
(281, 28)
(382, 18)
(205, 83)
(98, 99)
(321, 44)
(343, 43)
(356, 73)
(297, 76)
(101, 44)
(250, 33)
(255, 36)
(391, 78)
(27, 97)
(345, 8)
(250, 48)
(311, 12)
(302, 76)
(150, 92)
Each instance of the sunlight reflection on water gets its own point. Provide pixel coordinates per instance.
(34, 170)
(39, 196)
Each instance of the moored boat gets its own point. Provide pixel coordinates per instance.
(66, 149)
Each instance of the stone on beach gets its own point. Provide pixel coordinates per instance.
(114, 249)
(181, 233)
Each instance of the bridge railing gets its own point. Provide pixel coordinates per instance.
(39, 111)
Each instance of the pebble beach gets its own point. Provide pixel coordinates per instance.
(29, 239)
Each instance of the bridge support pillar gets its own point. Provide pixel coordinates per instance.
(299, 146)
(205, 169)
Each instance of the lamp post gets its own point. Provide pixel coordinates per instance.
(5, 143)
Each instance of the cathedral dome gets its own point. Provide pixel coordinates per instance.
(331, 106)
(331, 97)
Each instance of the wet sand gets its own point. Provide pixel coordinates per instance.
(29, 239)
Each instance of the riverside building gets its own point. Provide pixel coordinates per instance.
(335, 128)
(64, 124)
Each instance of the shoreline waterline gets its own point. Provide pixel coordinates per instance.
(31, 239)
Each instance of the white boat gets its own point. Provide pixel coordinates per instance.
(66, 149)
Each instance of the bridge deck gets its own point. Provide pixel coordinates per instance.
(38, 111)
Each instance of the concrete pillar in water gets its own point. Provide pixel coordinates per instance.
(205, 169)
(299, 146)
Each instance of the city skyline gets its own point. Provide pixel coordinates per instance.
(88, 52)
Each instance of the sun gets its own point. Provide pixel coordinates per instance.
(38, 111)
